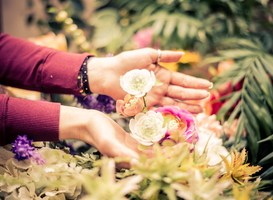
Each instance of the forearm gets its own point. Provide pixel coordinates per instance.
(28, 66)
(37, 119)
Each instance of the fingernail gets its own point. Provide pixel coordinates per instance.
(208, 96)
(211, 86)
(204, 110)
(134, 161)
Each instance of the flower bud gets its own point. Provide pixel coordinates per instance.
(130, 106)
(61, 16)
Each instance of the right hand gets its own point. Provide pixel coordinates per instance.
(100, 131)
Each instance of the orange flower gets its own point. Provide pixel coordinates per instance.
(224, 65)
(51, 40)
(130, 106)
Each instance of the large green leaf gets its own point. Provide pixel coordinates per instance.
(267, 159)
(170, 26)
(234, 114)
(265, 82)
(226, 107)
(239, 132)
(267, 61)
(268, 173)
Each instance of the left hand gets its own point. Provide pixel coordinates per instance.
(104, 78)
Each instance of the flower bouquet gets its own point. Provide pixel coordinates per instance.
(189, 160)
(164, 125)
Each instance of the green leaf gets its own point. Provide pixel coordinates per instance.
(266, 139)
(262, 113)
(240, 42)
(226, 107)
(239, 132)
(153, 189)
(170, 192)
(267, 61)
(158, 83)
(182, 28)
(266, 159)
(169, 27)
(266, 85)
(252, 139)
(234, 113)
(158, 26)
(142, 147)
(238, 53)
(268, 173)
(250, 117)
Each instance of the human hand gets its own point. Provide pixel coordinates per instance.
(100, 131)
(104, 75)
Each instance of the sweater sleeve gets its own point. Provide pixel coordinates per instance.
(28, 66)
(37, 119)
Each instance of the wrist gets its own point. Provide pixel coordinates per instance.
(73, 123)
(100, 73)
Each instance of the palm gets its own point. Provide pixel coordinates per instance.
(176, 86)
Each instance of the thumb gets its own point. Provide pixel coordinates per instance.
(125, 152)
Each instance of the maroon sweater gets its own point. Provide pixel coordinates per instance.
(28, 66)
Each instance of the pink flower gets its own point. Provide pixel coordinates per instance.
(143, 38)
(130, 106)
(208, 124)
(180, 123)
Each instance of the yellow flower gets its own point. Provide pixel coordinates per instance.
(170, 66)
(237, 170)
(189, 57)
(242, 193)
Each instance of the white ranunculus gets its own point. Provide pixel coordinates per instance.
(215, 147)
(148, 128)
(138, 82)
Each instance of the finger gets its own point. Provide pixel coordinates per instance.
(116, 149)
(166, 56)
(192, 108)
(180, 93)
(190, 81)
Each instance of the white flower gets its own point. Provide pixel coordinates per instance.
(138, 82)
(215, 147)
(148, 128)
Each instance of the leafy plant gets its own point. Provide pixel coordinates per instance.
(188, 24)
(254, 105)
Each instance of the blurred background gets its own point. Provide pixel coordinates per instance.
(229, 42)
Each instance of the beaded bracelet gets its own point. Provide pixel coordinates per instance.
(83, 84)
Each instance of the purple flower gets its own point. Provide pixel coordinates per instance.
(23, 150)
(37, 157)
(102, 103)
(105, 103)
(88, 102)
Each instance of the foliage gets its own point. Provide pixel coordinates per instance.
(176, 24)
(188, 24)
(254, 108)
(172, 173)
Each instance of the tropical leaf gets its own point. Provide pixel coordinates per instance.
(254, 66)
